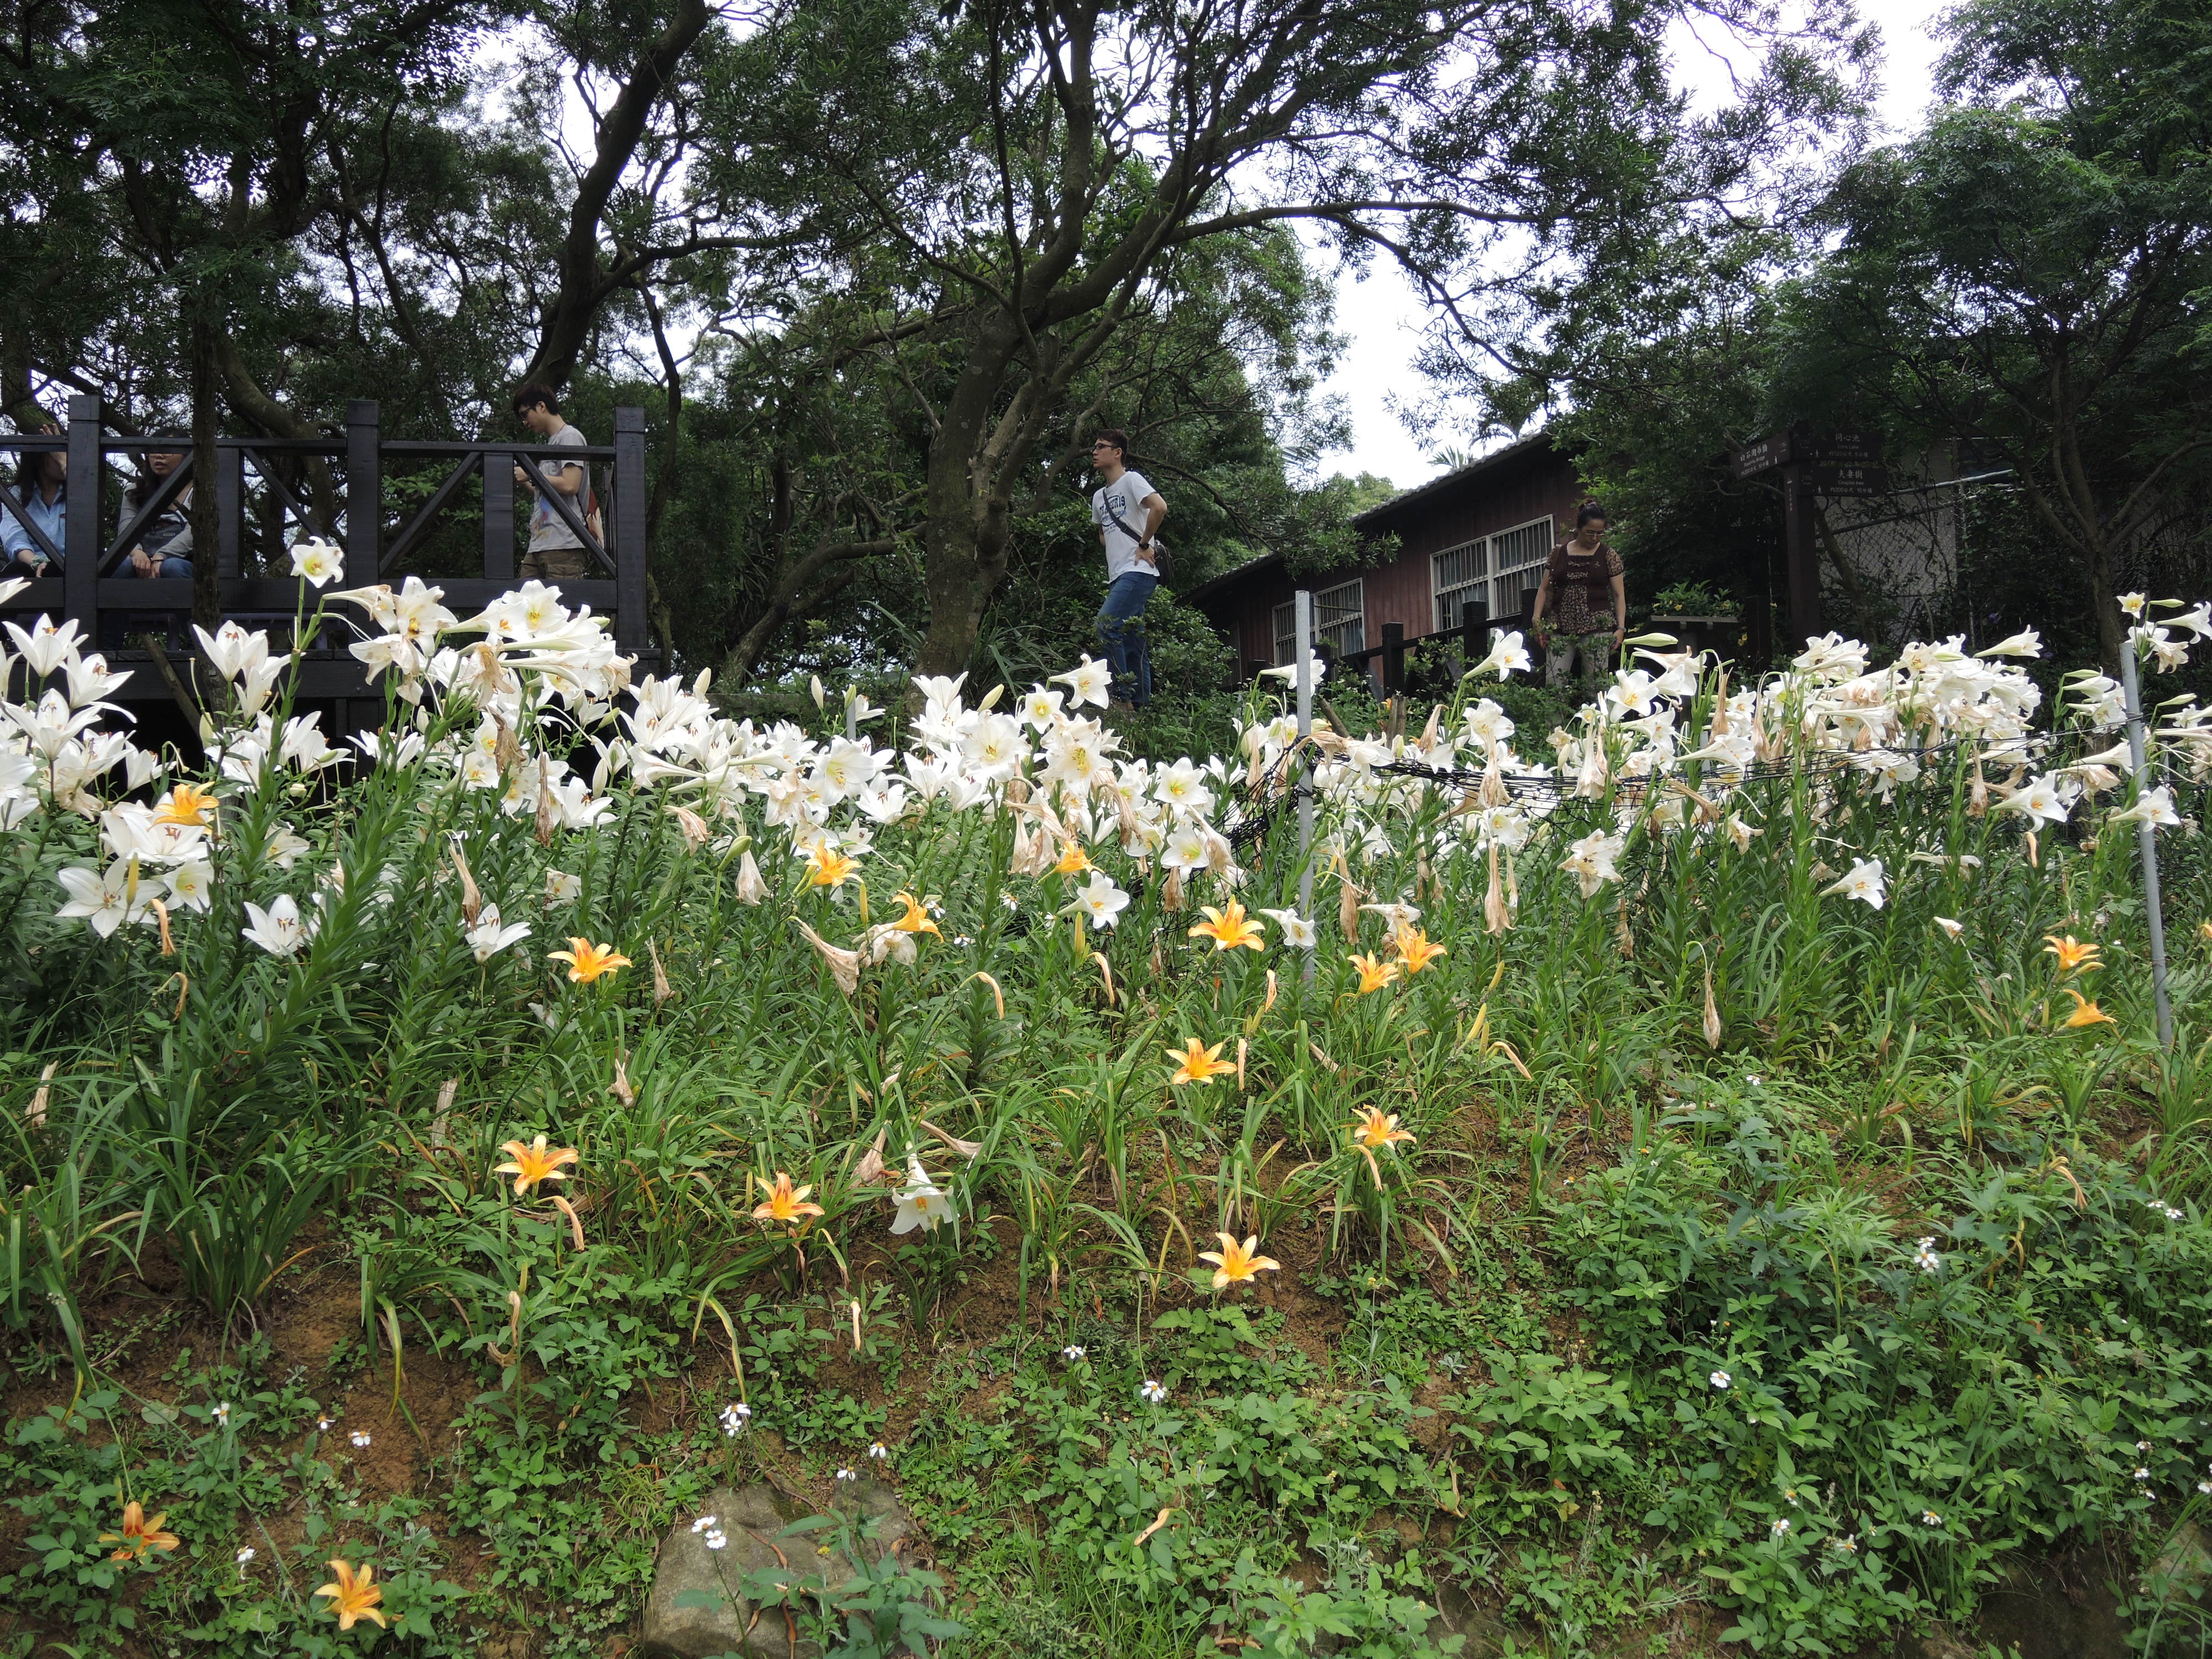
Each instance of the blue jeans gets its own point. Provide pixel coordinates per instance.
(1128, 657)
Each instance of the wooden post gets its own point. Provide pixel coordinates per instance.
(1394, 658)
(81, 544)
(364, 510)
(1800, 557)
(499, 516)
(229, 506)
(627, 523)
(1474, 623)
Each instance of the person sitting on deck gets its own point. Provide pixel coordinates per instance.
(41, 485)
(164, 547)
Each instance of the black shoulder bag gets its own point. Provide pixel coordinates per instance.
(1162, 564)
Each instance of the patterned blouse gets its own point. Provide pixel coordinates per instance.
(1581, 600)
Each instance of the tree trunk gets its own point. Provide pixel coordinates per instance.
(966, 514)
(2111, 625)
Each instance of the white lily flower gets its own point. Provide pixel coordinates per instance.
(2154, 807)
(1100, 900)
(106, 900)
(280, 930)
(317, 561)
(921, 1204)
(2026, 643)
(1087, 681)
(1865, 882)
(487, 938)
(1508, 656)
(1298, 933)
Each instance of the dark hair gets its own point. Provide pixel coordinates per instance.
(1589, 509)
(1114, 435)
(531, 393)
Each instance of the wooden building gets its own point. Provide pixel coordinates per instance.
(1476, 537)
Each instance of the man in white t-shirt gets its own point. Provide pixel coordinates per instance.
(1128, 513)
(556, 552)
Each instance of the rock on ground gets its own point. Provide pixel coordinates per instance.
(750, 1517)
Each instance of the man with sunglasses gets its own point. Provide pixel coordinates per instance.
(1128, 513)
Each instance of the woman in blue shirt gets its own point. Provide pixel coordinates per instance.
(41, 485)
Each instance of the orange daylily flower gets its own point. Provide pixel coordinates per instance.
(1073, 861)
(1374, 1129)
(1238, 1264)
(2073, 954)
(586, 961)
(1374, 972)
(187, 804)
(354, 1596)
(533, 1163)
(139, 1534)
(916, 920)
(1416, 950)
(1229, 927)
(1198, 1063)
(827, 867)
(2086, 1012)
(786, 1204)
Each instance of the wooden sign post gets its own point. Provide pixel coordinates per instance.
(1831, 464)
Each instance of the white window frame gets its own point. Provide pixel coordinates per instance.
(1451, 597)
(1339, 620)
(1505, 583)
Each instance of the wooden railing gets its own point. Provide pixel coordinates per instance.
(361, 478)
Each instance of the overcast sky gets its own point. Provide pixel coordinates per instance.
(1382, 315)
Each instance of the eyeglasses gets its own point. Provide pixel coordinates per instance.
(1095, 448)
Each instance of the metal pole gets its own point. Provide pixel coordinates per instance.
(1303, 646)
(2147, 840)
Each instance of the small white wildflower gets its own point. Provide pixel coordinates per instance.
(737, 1417)
(245, 1555)
(1152, 1393)
(879, 1451)
(1072, 1353)
(1848, 1544)
(716, 1540)
(703, 1523)
(1753, 1081)
(360, 1438)
(2142, 1474)
(1930, 1518)
(1010, 901)
(960, 941)
(1789, 1497)
(847, 1474)
(1720, 1379)
(1782, 1528)
(2205, 1486)
(323, 1424)
(222, 1414)
(2143, 1445)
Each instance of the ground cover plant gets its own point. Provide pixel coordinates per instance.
(1701, 1177)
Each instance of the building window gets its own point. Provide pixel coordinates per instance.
(1340, 617)
(1340, 622)
(1516, 561)
(1459, 573)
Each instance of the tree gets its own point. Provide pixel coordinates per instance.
(2028, 273)
(1038, 166)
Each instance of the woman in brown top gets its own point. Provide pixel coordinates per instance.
(1581, 575)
